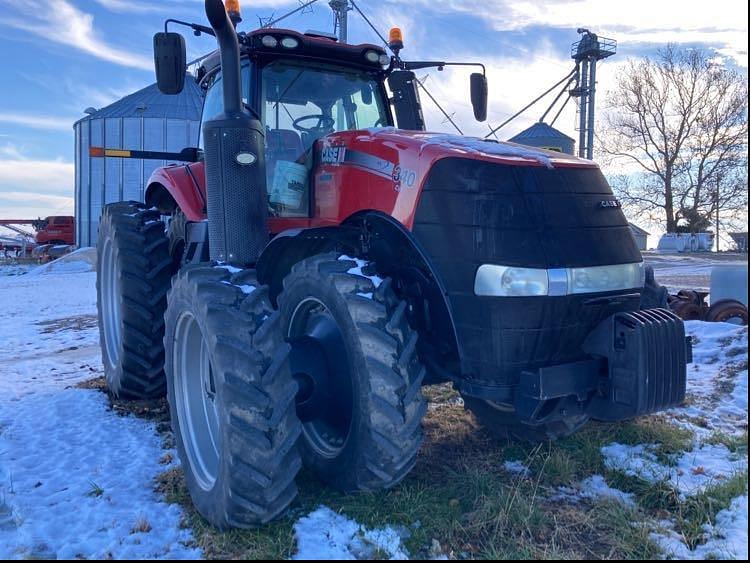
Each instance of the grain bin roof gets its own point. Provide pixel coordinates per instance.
(540, 130)
(149, 102)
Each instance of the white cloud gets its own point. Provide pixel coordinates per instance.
(723, 23)
(26, 205)
(33, 177)
(128, 6)
(61, 22)
(39, 121)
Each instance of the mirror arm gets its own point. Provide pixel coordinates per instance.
(197, 28)
(415, 65)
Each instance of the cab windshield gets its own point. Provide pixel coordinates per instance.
(315, 100)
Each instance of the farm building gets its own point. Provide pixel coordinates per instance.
(740, 241)
(145, 120)
(641, 236)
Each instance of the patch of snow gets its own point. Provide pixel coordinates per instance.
(246, 289)
(357, 271)
(691, 473)
(716, 384)
(475, 144)
(324, 534)
(78, 261)
(76, 479)
(515, 466)
(594, 487)
(726, 539)
(14, 269)
(230, 269)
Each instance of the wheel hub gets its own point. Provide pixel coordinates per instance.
(320, 366)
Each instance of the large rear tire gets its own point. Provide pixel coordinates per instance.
(133, 276)
(355, 359)
(502, 422)
(231, 396)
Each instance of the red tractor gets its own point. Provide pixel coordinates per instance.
(295, 283)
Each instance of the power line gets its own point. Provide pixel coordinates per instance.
(434, 101)
(421, 85)
(512, 117)
(364, 17)
(301, 7)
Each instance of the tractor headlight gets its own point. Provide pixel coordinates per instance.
(507, 281)
(289, 43)
(372, 56)
(269, 41)
(606, 278)
(510, 281)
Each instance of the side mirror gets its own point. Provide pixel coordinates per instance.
(170, 62)
(479, 95)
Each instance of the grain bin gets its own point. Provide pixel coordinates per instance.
(145, 120)
(544, 136)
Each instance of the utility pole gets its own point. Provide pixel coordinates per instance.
(341, 10)
(718, 181)
(586, 52)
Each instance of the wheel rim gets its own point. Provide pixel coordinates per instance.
(320, 366)
(195, 394)
(110, 284)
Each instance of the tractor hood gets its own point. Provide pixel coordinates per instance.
(434, 146)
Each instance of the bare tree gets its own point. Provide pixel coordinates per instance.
(681, 120)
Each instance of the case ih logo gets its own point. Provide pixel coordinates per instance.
(332, 155)
(609, 204)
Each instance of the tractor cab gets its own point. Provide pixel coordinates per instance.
(303, 88)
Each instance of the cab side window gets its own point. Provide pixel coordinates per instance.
(213, 104)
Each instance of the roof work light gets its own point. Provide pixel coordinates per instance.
(396, 39)
(233, 10)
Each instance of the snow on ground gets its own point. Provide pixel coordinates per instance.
(76, 480)
(594, 487)
(324, 534)
(79, 261)
(515, 466)
(716, 403)
(727, 539)
(688, 474)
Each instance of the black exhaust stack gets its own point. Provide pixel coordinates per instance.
(235, 160)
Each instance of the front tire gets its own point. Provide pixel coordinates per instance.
(231, 396)
(354, 357)
(133, 276)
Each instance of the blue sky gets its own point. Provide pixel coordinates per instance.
(62, 56)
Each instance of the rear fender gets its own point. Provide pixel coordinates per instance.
(177, 187)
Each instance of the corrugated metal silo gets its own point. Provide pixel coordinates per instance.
(145, 120)
(544, 136)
